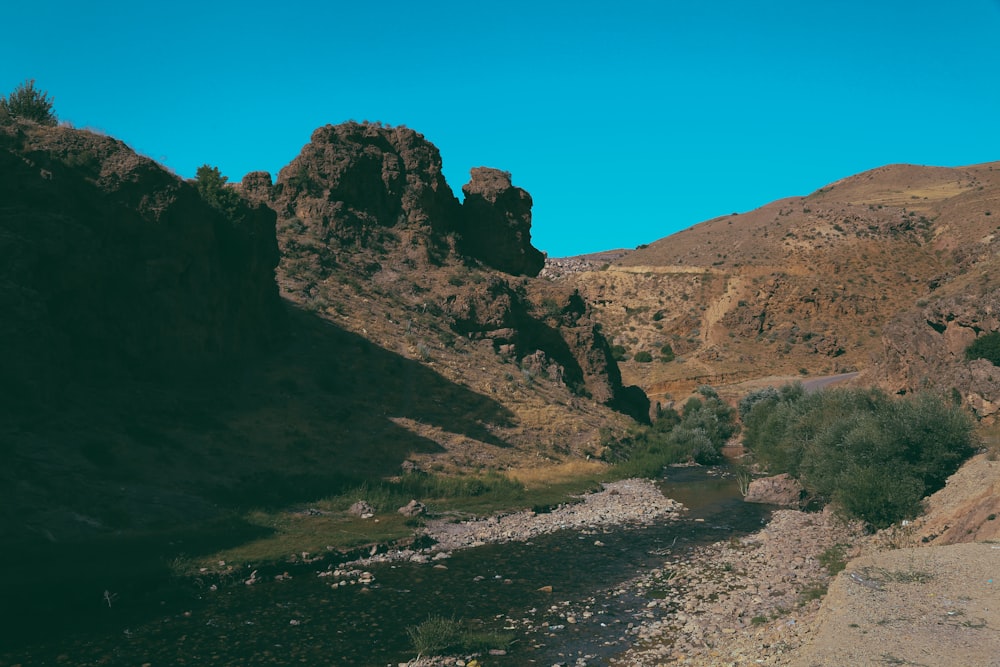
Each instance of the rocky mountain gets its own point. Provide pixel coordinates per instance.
(373, 239)
(167, 362)
(890, 272)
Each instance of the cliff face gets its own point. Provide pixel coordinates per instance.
(925, 349)
(115, 267)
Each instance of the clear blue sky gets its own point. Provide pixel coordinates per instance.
(625, 120)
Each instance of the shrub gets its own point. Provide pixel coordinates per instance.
(697, 434)
(28, 103)
(986, 347)
(667, 353)
(643, 357)
(618, 352)
(211, 185)
(873, 456)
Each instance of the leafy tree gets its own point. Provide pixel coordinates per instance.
(211, 184)
(28, 103)
(643, 357)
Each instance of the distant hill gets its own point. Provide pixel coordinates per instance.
(891, 272)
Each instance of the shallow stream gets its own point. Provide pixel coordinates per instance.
(585, 619)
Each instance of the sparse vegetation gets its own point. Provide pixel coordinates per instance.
(873, 456)
(697, 434)
(439, 635)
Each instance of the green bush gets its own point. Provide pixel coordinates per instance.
(28, 103)
(986, 347)
(643, 357)
(211, 185)
(697, 434)
(667, 353)
(618, 352)
(875, 457)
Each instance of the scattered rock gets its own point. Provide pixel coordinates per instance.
(413, 508)
(361, 508)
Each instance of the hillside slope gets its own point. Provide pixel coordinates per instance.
(808, 285)
(155, 377)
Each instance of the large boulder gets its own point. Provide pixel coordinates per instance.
(781, 489)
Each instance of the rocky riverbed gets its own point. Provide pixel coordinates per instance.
(746, 601)
(631, 501)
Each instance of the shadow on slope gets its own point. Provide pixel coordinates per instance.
(105, 489)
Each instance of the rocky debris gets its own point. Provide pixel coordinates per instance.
(561, 267)
(412, 509)
(635, 501)
(632, 501)
(362, 509)
(741, 602)
(781, 489)
(497, 223)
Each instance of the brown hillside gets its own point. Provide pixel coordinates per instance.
(374, 241)
(802, 286)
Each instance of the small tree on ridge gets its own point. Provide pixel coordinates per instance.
(29, 103)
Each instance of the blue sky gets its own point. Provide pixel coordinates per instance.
(626, 121)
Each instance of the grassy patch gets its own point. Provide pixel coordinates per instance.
(327, 525)
(834, 559)
(812, 592)
(438, 635)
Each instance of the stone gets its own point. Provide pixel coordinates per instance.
(413, 508)
(780, 489)
(361, 508)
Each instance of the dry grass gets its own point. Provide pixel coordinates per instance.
(570, 472)
(989, 435)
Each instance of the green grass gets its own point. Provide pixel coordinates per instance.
(438, 635)
(834, 559)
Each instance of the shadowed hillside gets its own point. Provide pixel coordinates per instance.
(155, 376)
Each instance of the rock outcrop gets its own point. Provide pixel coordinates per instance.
(780, 489)
(497, 223)
(367, 205)
(925, 349)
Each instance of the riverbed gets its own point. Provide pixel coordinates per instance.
(566, 597)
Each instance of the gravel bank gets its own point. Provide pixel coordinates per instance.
(631, 501)
(740, 602)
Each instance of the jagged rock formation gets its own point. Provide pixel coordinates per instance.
(372, 236)
(497, 219)
(113, 267)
